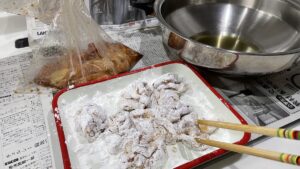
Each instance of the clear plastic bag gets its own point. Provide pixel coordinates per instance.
(77, 50)
(44, 10)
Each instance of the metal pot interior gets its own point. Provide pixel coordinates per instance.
(257, 26)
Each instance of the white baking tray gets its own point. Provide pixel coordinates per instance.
(209, 101)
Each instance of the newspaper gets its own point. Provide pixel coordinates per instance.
(143, 36)
(272, 100)
(24, 122)
(28, 135)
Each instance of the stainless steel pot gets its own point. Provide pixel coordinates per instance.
(236, 37)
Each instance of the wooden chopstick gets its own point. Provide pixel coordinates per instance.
(272, 155)
(282, 133)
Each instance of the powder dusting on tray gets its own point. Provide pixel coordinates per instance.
(141, 126)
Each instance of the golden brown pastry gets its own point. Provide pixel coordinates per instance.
(119, 57)
(54, 74)
(90, 66)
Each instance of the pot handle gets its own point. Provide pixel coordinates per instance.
(146, 6)
(204, 56)
(201, 55)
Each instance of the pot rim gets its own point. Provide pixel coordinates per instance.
(157, 9)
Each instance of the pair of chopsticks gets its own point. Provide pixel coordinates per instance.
(272, 155)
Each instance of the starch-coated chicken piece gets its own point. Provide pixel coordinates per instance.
(91, 121)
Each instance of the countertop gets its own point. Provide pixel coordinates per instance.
(14, 27)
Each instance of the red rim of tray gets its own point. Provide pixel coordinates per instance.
(188, 165)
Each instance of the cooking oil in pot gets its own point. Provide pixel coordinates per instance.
(229, 42)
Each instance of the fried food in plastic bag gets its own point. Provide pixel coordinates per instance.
(76, 49)
(63, 72)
